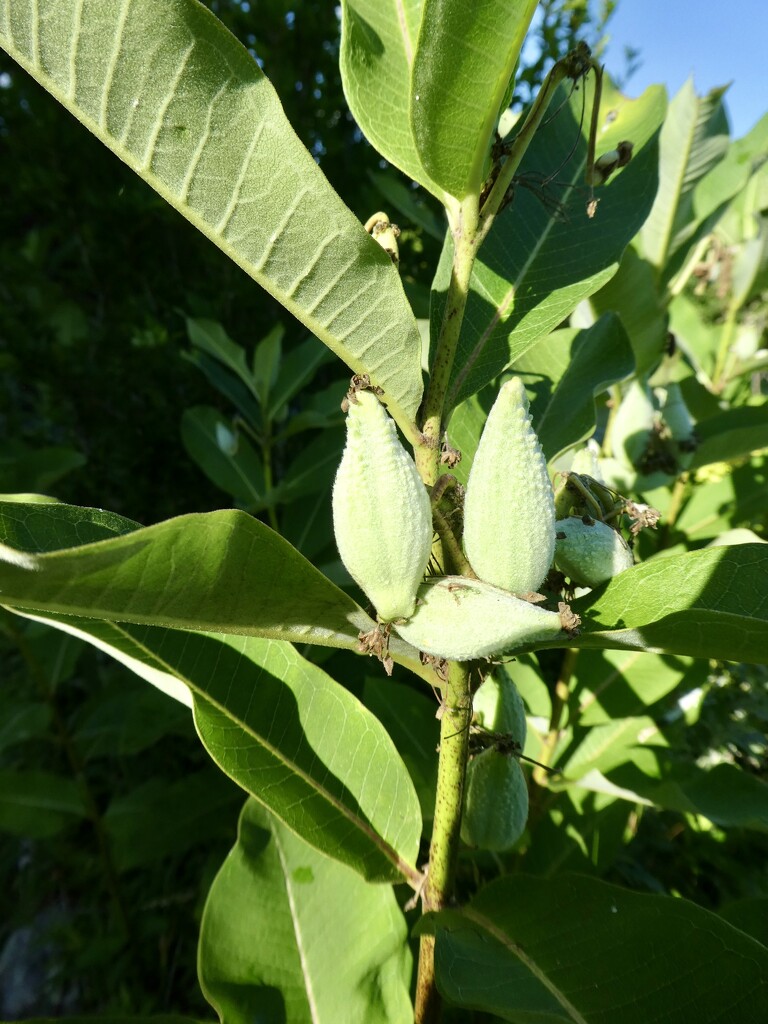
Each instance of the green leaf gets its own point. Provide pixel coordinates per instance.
(737, 499)
(540, 261)
(378, 43)
(38, 804)
(606, 746)
(728, 796)
(566, 371)
(126, 722)
(706, 604)
(166, 819)
(210, 337)
(410, 205)
(221, 571)
(225, 455)
(266, 362)
(694, 138)
(277, 917)
(731, 435)
(620, 684)
(574, 949)
(750, 916)
(464, 60)
(633, 293)
(22, 720)
(286, 733)
(203, 126)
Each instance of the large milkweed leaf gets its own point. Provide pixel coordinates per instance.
(222, 572)
(574, 950)
(545, 254)
(378, 43)
(276, 918)
(287, 733)
(708, 604)
(185, 105)
(463, 66)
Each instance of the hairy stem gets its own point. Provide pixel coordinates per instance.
(443, 851)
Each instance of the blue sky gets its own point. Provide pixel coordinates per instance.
(716, 42)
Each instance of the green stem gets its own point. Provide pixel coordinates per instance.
(444, 848)
(726, 337)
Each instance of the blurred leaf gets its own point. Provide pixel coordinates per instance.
(633, 294)
(408, 204)
(728, 796)
(207, 131)
(276, 918)
(737, 498)
(620, 684)
(126, 723)
(297, 368)
(539, 261)
(694, 138)
(524, 948)
(731, 435)
(23, 468)
(750, 916)
(266, 362)
(461, 76)
(22, 720)
(566, 372)
(38, 804)
(210, 337)
(164, 819)
(224, 454)
(606, 746)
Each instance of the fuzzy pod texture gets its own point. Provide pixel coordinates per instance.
(462, 619)
(382, 516)
(498, 707)
(590, 553)
(495, 801)
(633, 424)
(509, 507)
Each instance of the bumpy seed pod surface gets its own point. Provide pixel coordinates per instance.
(498, 706)
(495, 802)
(462, 619)
(381, 512)
(590, 553)
(509, 509)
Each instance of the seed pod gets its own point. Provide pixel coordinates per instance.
(509, 508)
(381, 512)
(462, 619)
(679, 423)
(633, 424)
(498, 707)
(590, 552)
(495, 801)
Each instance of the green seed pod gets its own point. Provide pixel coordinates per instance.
(590, 553)
(495, 801)
(382, 517)
(462, 619)
(633, 424)
(498, 707)
(509, 508)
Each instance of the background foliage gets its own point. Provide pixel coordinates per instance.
(121, 374)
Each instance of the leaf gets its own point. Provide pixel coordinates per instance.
(731, 435)
(574, 949)
(378, 43)
(566, 371)
(606, 746)
(286, 733)
(224, 454)
(127, 722)
(38, 804)
(22, 720)
(694, 138)
(464, 61)
(734, 500)
(167, 819)
(540, 261)
(706, 604)
(410, 205)
(620, 684)
(276, 919)
(185, 105)
(633, 294)
(221, 571)
(210, 337)
(749, 915)
(728, 796)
